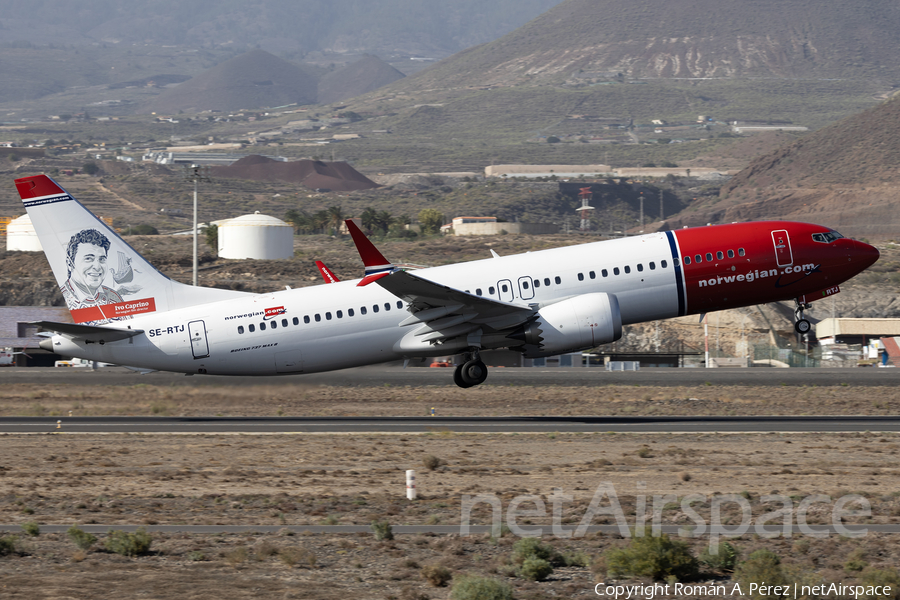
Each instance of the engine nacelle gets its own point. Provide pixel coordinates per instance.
(575, 324)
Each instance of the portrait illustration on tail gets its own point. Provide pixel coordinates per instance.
(87, 264)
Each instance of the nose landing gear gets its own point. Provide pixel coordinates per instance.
(801, 325)
(471, 373)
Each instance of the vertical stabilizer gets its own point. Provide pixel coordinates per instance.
(101, 277)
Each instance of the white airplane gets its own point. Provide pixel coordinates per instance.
(539, 303)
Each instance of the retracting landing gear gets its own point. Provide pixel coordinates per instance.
(470, 373)
(801, 325)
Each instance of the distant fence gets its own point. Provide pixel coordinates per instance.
(788, 356)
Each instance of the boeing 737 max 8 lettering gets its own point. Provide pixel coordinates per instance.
(541, 303)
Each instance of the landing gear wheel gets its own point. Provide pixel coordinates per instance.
(801, 325)
(473, 372)
(458, 378)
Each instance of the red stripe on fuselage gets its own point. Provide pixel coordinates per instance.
(757, 277)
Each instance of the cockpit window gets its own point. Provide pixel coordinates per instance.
(827, 237)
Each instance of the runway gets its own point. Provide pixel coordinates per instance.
(416, 376)
(425, 425)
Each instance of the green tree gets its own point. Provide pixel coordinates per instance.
(90, 168)
(301, 220)
(335, 218)
(430, 220)
(211, 235)
(552, 139)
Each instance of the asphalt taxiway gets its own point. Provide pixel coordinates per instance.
(420, 376)
(568, 424)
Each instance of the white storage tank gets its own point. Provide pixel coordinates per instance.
(256, 236)
(21, 236)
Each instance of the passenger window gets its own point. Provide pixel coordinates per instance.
(731, 254)
(349, 312)
(318, 317)
(709, 257)
(525, 285)
(537, 283)
(477, 291)
(262, 326)
(284, 323)
(687, 260)
(557, 279)
(504, 287)
(546, 281)
(581, 277)
(295, 321)
(387, 306)
(374, 308)
(640, 267)
(306, 318)
(340, 314)
(652, 266)
(698, 259)
(362, 310)
(328, 316)
(740, 251)
(719, 255)
(274, 324)
(664, 264)
(240, 329)
(615, 270)
(251, 328)
(491, 290)
(627, 269)
(399, 304)
(604, 272)
(592, 275)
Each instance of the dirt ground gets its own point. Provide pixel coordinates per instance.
(303, 399)
(303, 480)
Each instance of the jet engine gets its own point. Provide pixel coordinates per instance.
(575, 324)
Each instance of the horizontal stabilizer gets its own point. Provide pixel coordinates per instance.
(88, 333)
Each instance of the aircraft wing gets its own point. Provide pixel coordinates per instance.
(447, 312)
(441, 312)
(88, 333)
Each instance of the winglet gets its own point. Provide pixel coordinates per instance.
(377, 266)
(327, 275)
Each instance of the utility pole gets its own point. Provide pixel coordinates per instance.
(642, 211)
(196, 173)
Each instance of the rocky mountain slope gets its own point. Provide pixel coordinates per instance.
(256, 78)
(595, 39)
(844, 175)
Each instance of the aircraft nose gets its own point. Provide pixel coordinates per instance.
(864, 254)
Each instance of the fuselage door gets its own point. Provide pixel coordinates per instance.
(783, 255)
(526, 290)
(505, 289)
(199, 345)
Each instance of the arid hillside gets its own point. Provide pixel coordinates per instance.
(844, 175)
(591, 39)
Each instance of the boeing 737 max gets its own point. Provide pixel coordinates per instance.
(539, 303)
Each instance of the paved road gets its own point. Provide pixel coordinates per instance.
(433, 424)
(396, 376)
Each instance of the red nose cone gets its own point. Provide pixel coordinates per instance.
(865, 254)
